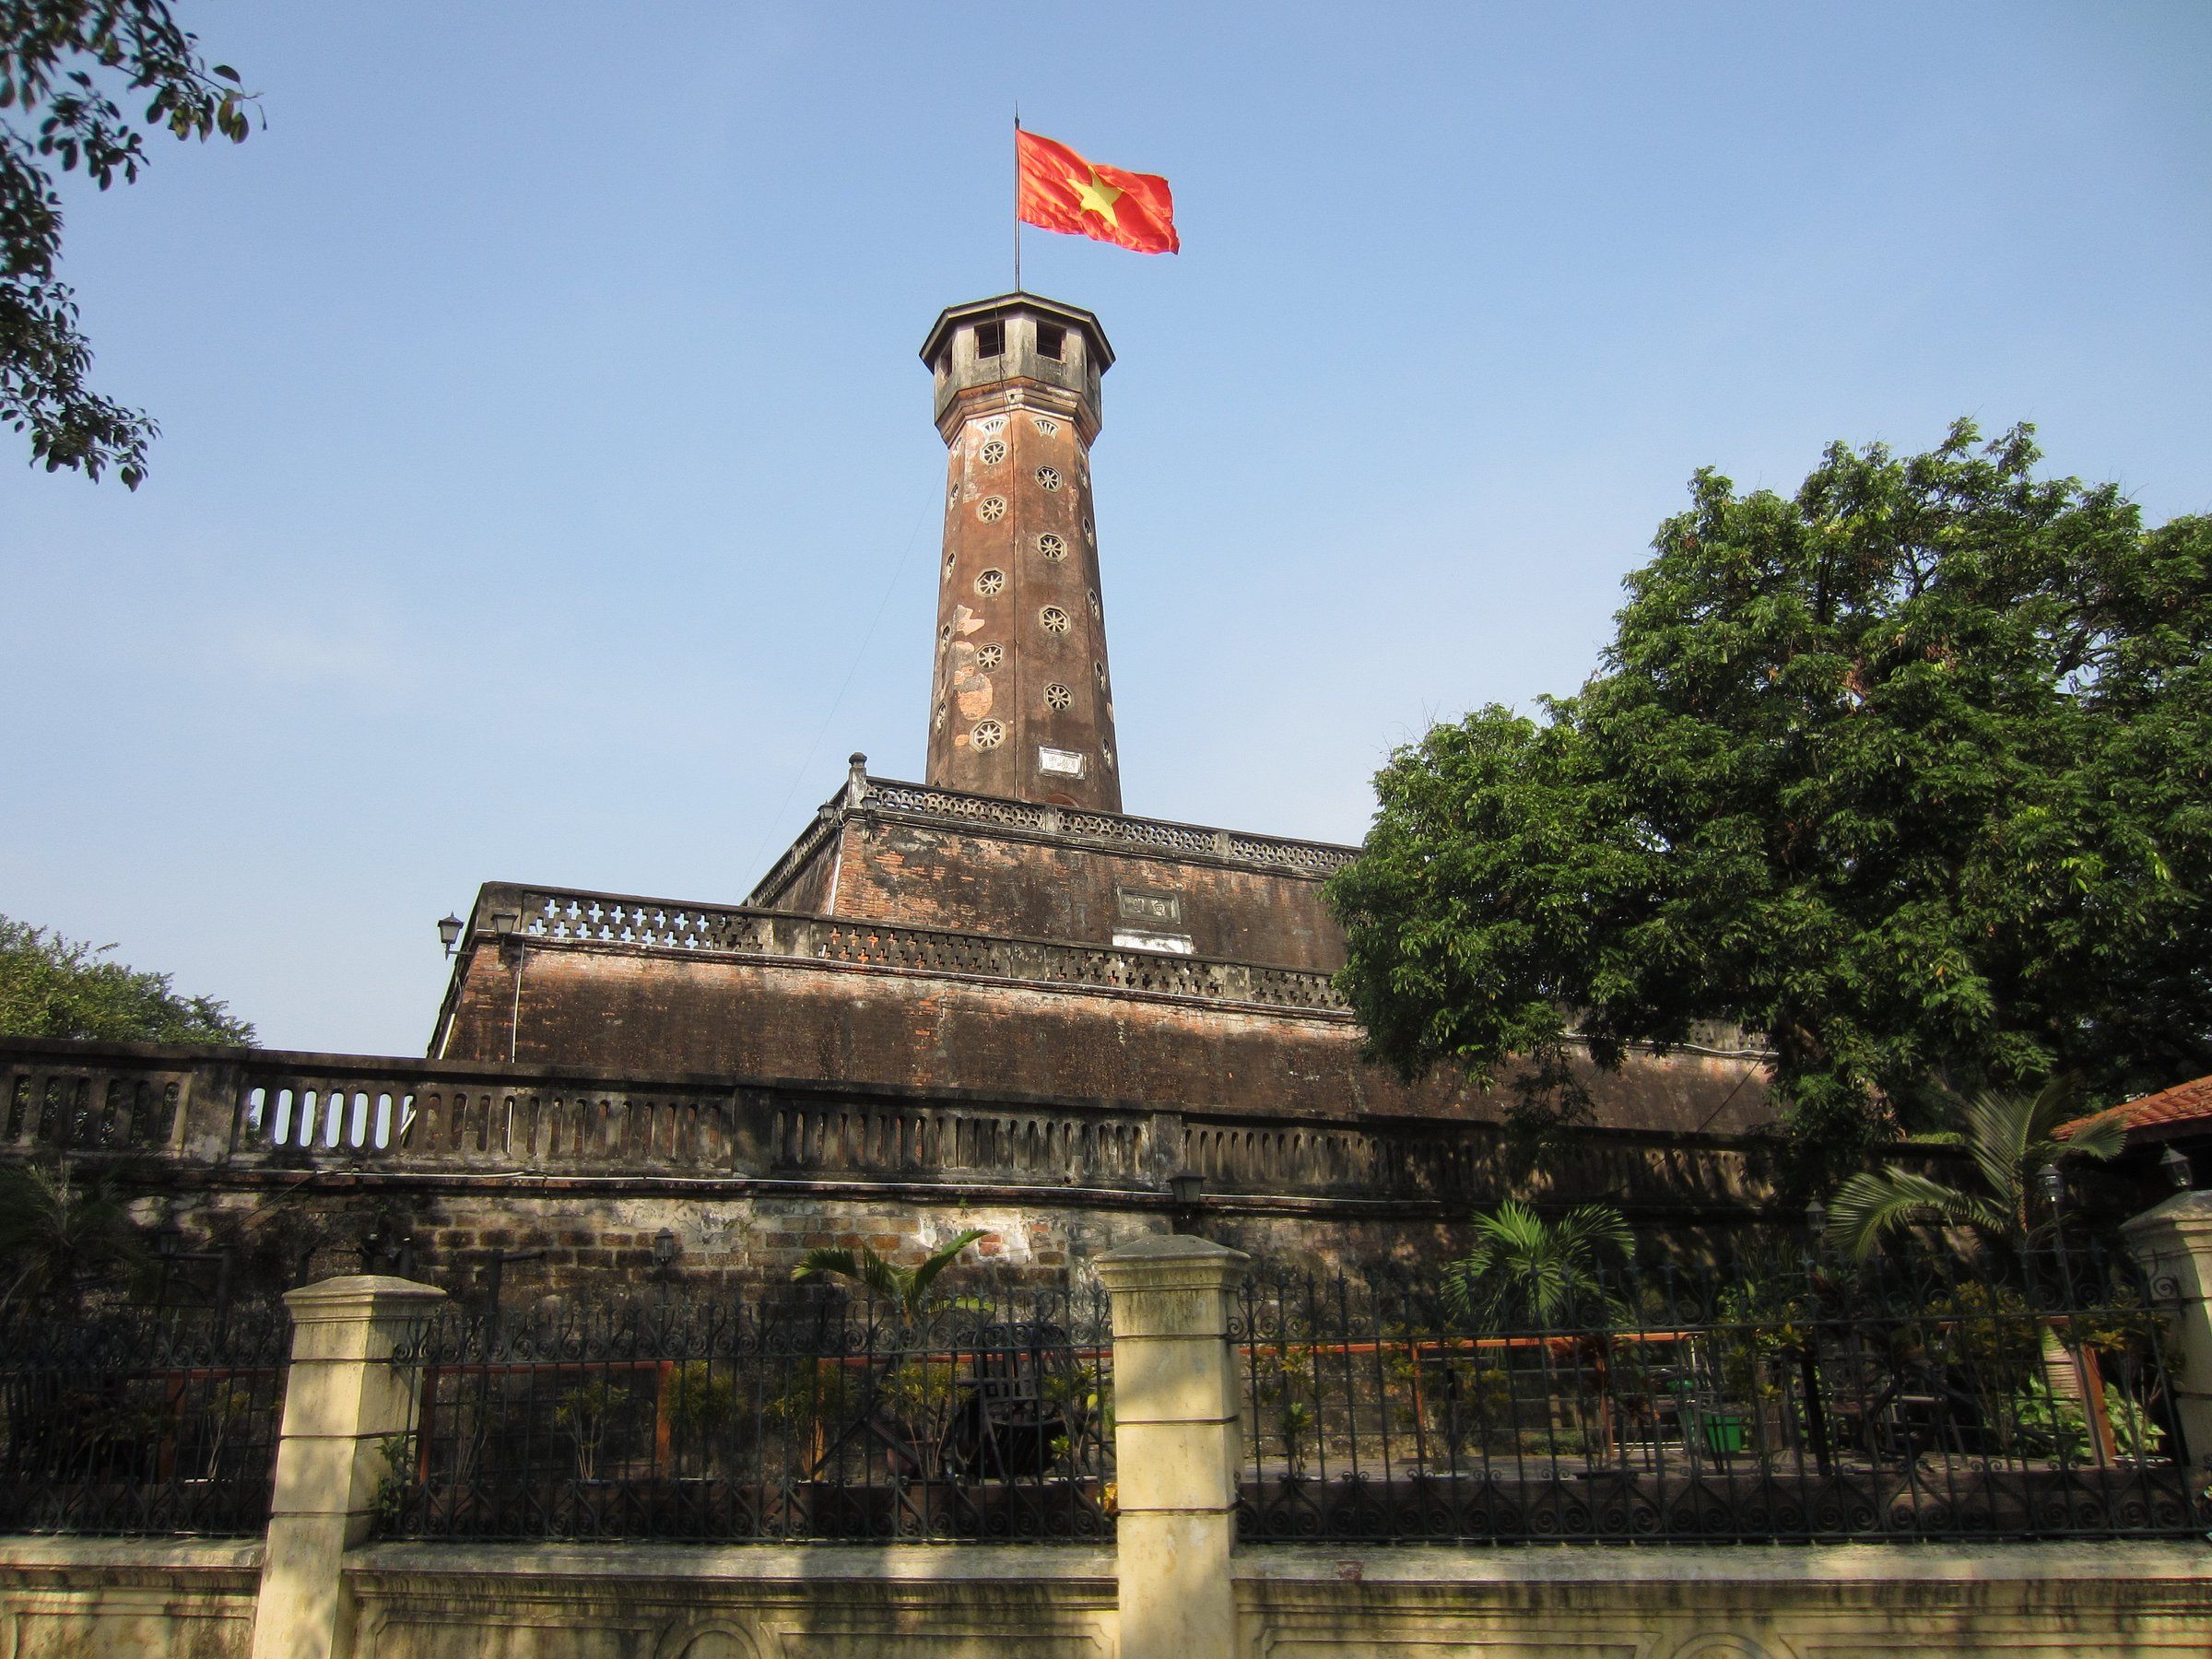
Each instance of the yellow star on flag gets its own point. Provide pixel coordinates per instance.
(1098, 196)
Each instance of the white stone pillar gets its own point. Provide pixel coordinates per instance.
(1176, 1445)
(341, 1399)
(2172, 1243)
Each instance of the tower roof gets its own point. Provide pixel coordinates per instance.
(1074, 316)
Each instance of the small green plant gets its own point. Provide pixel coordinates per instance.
(908, 1287)
(391, 1497)
(699, 1402)
(1525, 1271)
(584, 1412)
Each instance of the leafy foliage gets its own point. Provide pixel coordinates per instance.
(1911, 772)
(68, 68)
(2013, 1138)
(55, 987)
(61, 1237)
(906, 1286)
(1525, 1270)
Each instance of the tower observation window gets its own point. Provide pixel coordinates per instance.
(990, 339)
(1051, 340)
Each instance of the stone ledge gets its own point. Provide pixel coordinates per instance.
(641, 1564)
(44, 1553)
(1833, 1566)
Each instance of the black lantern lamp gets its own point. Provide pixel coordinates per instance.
(1816, 1223)
(448, 933)
(664, 1247)
(1186, 1189)
(2174, 1164)
(2054, 1183)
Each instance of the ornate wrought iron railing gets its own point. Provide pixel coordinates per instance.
(1767, 1400)
(803, 1416)
(141, 1422)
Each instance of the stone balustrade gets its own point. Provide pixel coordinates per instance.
(245, 1109)
(572, 916)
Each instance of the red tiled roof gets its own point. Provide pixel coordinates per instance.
(2184, 1108)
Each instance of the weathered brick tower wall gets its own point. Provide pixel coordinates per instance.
(1023, 702)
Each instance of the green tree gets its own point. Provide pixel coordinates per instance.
(55, 987)
(2012, 1137)
(908, 1287)
(1911, 771)
(1525, 1270)
(72, 75)
(60, 1237)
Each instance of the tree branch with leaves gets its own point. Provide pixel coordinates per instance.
(72, 75)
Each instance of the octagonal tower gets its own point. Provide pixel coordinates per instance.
(1021, 704)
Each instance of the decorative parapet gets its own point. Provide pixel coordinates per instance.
(585, 918)
(1120, 832)
(357, 1116)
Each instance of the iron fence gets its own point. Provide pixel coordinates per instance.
(1775, 1399)
(141, 1421)
(803, 1415)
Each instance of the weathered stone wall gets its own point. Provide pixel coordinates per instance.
(91, 1598)
(131, 1599)
(984, 880)
(299, 1166)
(635, 1009)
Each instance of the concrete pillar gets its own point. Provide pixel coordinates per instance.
(1176, 1410)
(340, 1400)
(2172, 1243)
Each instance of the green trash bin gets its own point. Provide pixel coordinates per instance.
(1724, 1433)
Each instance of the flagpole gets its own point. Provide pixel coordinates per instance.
(1018, 198)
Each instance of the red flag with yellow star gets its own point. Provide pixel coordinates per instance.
(1060, 191)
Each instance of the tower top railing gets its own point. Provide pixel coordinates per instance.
(1117, 831)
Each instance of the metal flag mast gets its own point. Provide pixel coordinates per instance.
(1018, 198)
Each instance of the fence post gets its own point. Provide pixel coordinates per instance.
(341, 1397)
(2172, 1243)
(1176, 1412)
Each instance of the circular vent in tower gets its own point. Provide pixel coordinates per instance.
(993, 452)
(990, 582)
(1059, 697)
(1052, 548)
(1047, 478)
(1099, 670)
(1095, 609)
(991, 509)
(988, 657)
(1054, 618)
(988, 735)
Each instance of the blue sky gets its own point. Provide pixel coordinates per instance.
(547, 490)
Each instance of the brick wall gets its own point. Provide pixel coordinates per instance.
(669, 1013)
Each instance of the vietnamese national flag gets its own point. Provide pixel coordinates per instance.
(1060, 191)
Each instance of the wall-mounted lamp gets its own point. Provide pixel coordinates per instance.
(448, 933)
(2175, 1163)
(1186, 1189)
(1816, 1220)
(2053, 1182)
(664, 1247)
(503, 921)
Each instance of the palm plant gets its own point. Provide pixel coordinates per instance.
(2012, 1139)
(59, 1237)
(908, 1287)
(1525, 1269)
